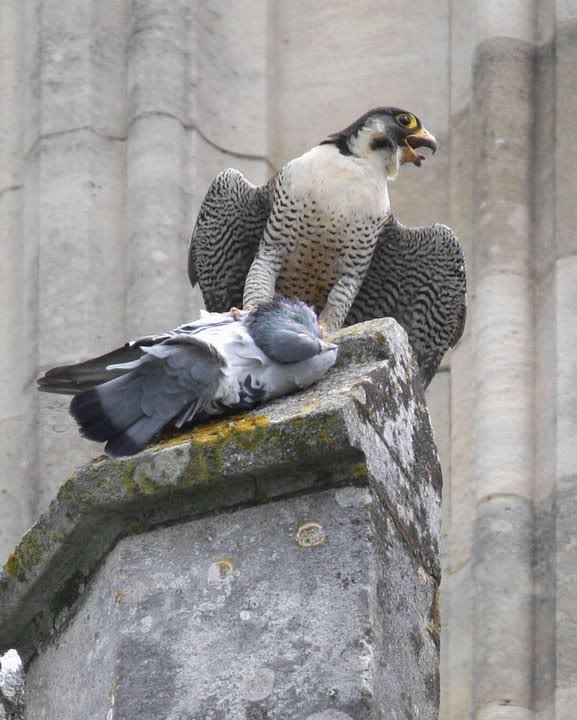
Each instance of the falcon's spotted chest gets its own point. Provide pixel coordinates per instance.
(333, 235)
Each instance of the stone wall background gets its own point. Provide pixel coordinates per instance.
(114, 117)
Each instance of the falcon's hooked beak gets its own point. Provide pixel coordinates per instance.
(421, 138)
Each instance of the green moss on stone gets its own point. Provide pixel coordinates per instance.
(147, 484)
(134, 527)
(128, 478)
(29, 551)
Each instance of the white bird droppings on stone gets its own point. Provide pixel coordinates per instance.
(10, 662)
(244, 615)
(257, 685)
(146, 624)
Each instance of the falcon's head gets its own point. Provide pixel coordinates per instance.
(385, 135)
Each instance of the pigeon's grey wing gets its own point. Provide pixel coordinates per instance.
(228, 230)
(417, 276)
(170, 380)
(71, 379)
(189, 368)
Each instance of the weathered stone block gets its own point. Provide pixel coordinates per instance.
(283, 563)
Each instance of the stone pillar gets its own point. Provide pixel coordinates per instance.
(280, 564)
(556, 297)
(503, 449)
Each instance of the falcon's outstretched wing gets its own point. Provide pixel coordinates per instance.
(417, 276)
(228, 230)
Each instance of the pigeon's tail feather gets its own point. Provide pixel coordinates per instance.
(135, 437)
(112, 413)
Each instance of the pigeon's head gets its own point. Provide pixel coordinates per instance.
(387, 137)
(286, 330)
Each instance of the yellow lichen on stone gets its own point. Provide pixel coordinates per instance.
(309, 407)
(226, 566)
(246, 431)
(13, 565)
(311, 534)
(434, 626)
(208, 443)
(358, 471)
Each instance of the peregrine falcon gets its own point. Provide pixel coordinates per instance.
(209, 367)
(322, 230)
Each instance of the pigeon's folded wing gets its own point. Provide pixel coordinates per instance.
(72, 379)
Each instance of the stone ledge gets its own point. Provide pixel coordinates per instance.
(364, 424)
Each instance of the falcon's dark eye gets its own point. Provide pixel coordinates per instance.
(407, 120)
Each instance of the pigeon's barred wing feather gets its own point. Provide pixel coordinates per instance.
(417, 276)
(228, 230)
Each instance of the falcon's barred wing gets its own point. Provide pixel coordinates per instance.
(226, 237)
(417, 276)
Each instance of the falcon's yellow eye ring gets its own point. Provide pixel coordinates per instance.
(407, 121)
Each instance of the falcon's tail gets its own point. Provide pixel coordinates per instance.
(112, 413)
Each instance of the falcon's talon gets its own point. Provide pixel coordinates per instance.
(235, 313)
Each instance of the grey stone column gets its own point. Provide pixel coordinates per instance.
(503, 459)
(159, 92)
(279, 564)
(556, 292)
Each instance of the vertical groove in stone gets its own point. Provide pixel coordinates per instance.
(456, 593)
(503, 459)
(565, 370)
(158, 290)
(543, 217)
(17, 355)
(193, 193)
